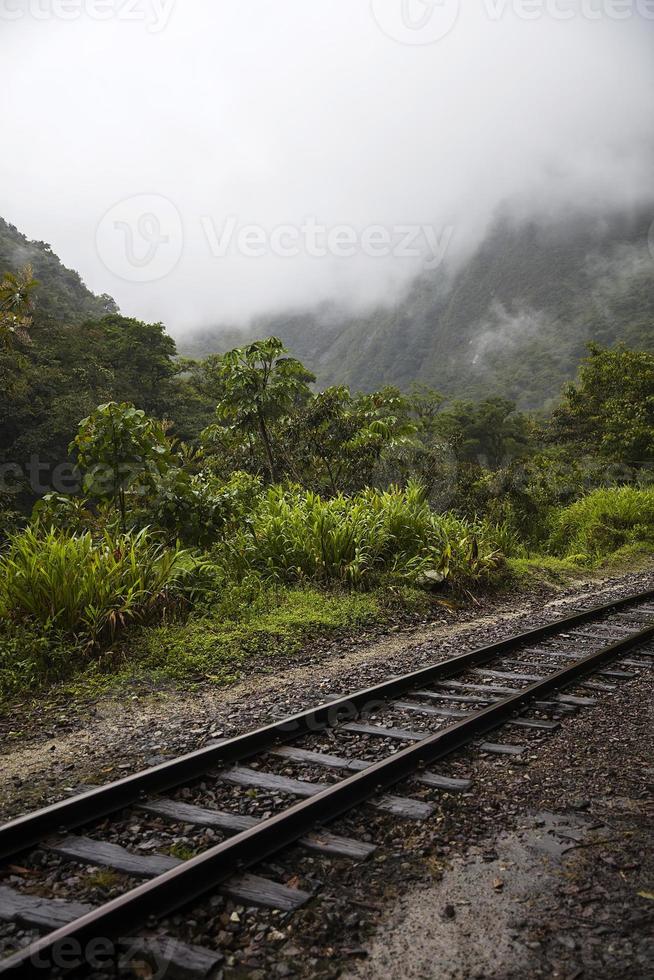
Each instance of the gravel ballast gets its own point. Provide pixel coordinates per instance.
(543, 868)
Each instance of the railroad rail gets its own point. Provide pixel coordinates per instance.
(529, 680)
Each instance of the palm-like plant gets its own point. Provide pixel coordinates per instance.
(16, 305)
(260, 385)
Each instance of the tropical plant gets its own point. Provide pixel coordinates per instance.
(604, 521)
(299, 536)
(336, 441)
(90, 588)
(260, 385)
(118, 447)
(200, 508)
(610, 408)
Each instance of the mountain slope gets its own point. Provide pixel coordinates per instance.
(513, 320)
(62, 296)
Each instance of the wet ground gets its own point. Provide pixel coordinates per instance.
(545, 868)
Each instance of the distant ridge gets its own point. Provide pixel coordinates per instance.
(514, 320)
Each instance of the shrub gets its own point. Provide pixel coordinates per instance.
(298, 536)
(473, 553)
(29, 656)
(200, 508)
(69, 513)
(604, 521)
(86, 587)
(10, 520)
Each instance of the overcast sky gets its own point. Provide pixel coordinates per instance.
(360, 140)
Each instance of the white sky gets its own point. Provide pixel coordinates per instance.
(275, 111)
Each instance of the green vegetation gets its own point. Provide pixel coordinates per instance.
(512, 321)
(296, 536)
(604, 522)
(88, 586)
(103, 878)
(203, 515)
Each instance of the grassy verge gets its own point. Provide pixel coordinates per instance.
(273, 629)
(268, 628)
(88, 617)
(260, 629)
(550, 570)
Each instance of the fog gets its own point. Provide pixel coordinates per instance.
(208, 161)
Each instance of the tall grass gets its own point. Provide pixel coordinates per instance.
(475, 548)
(603, 522)
(88, 587)
(298, 536)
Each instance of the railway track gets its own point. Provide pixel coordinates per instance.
(522, 687)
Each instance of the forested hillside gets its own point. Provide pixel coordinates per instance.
(514, 320)
(75, 352)
(187, 515)
(63, 297)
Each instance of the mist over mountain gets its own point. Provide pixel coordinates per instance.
(266, 117)
(62, 296)
(513, 319)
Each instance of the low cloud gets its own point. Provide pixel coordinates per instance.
(347, 114)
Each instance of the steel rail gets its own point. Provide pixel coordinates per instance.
(194, 878)
(23, 832)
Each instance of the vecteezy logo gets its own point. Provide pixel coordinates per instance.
(416, 21)
(140, 239)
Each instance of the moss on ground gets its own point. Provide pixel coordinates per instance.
(248, 627)
(271, 626)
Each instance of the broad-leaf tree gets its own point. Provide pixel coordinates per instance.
(610, 408)
(119, 447)
(260, 386)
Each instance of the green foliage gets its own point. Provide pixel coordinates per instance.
(473, 554)
(118, 447)
(522, 495)
(298, 536)
(541, 569)
(200, 508)
(603, 522)
(31, 656)
(67, 513)
(89, 588)
(610, 409)
(252, 620)
(339, 442)
(259, 386)
(61, 376)
(10, 519)
(490, 432)
(262, 620)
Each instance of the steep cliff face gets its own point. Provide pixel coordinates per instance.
(514, 319)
